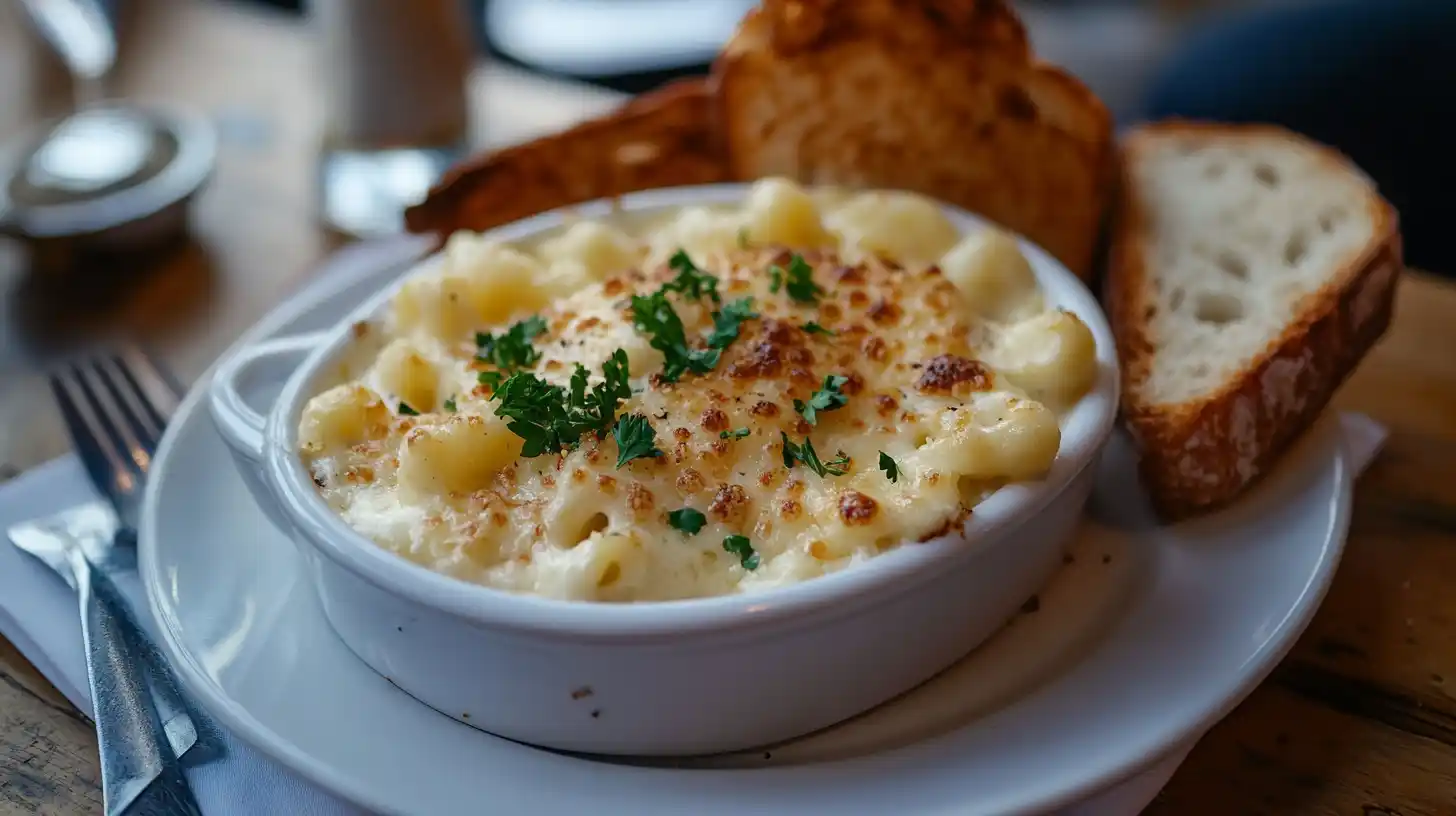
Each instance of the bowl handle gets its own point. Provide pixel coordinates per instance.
(239, 380)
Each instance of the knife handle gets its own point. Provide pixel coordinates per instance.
(127, 728)
(180, 724)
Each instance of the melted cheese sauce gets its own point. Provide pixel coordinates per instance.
(956, 371)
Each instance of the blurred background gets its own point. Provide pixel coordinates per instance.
(635, 45)
(298, 125)
(1368, 76)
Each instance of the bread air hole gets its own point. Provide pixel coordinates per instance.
(1296, 248)
(1175, 300)
(1215, 170)
(1233, 265)
(1329, 219)
(1218, 308)
(1267, 175)
(595, 524)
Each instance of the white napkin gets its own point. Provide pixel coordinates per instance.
(39, 615)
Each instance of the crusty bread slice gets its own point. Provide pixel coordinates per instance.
(665, 138)
(941, 97)
(1250, 271)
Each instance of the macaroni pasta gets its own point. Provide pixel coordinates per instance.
(810, 381)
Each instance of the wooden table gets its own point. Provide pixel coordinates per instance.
(1361, 719)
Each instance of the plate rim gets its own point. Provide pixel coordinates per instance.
(256, 733)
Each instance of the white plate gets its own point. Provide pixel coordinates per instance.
(1150, 636)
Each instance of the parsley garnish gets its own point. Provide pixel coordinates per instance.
(814, 328)
(512, 348)
(654, 316)
(551, 418)
(743, 237)
(491, 379)
(406, 410)
(727, 322)
(736, 433)
(600, 404)
(740, 546)
(691, 281)
(450, 405)
(798, 280)
(537, 413)
(805, 453)
(635, 439)
(827, 398)
(687, 520)
(891, 469)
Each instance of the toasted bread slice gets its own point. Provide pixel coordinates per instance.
(1250, 271)
(941, 97)
(665, 138)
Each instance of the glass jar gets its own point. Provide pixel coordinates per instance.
(396, 100)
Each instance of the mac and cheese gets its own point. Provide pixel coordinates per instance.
(809, 381)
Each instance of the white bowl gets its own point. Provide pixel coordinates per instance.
(677, 677)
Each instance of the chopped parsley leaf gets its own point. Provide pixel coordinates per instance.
(537, 413)
(736, 433)
(727, 322)
(450, 405)
(799, 281)
(691, 281)
(511, 349)
(775, 278)
(740, 546)
(814, 328)
(889, 466)
(838, 466)
(806, 454)
(492, 379)
(406, 410)
(827, 398)
(743, 237)
(653, 315)
(688, 520)
(635, 439)
(600, 405)
(551, 418)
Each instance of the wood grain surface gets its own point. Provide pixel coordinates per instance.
(1359, 721)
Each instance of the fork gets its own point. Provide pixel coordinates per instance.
(116, 423)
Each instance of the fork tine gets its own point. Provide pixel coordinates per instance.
(142, 390)
(145, 421)
(118, 428)
(92, 442)
(152, 382)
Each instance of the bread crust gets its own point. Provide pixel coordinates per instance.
(665, 138)
(941, 97)
(1201, 454)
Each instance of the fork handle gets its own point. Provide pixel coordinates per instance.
(127, 727)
